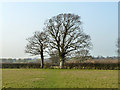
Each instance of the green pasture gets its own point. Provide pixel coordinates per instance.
(59, 78)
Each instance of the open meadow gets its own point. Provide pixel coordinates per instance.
(59, 78)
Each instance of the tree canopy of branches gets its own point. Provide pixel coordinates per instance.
(66, 35)
(36, 45)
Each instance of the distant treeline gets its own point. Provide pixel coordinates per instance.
(37, 60)
(101, 66)
(20, 60)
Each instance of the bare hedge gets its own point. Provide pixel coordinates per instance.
(102, 66)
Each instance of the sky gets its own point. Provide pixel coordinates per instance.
(21, 19)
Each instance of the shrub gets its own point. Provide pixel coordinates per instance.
(103, 66)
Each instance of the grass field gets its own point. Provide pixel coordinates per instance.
(57, 78)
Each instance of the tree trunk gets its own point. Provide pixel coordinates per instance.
(42, 62)
(61, 62)
(42, 58)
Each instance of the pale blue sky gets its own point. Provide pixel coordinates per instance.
(20, 20)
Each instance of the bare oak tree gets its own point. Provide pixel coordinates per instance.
(66, 35)
(36, 45)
